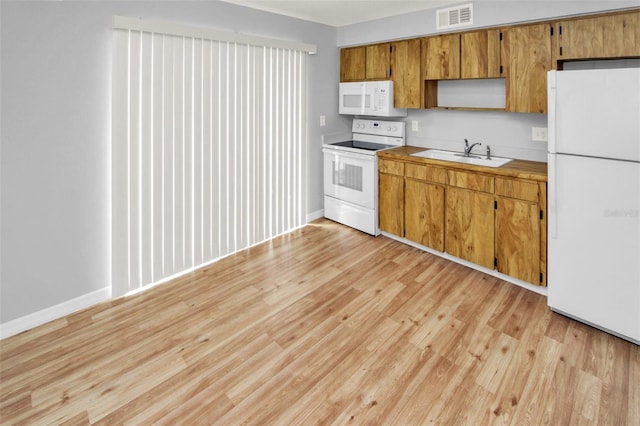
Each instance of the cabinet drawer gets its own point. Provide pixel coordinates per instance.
(391, 167)
(520, 189)
(426, 173)
(472, 181)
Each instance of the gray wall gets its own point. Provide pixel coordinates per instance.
(508, 134)
(55, 217)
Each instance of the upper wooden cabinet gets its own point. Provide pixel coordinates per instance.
(405, 73)
(521, 54)
(365, 62)
(526, 59)
(480, 54)
(441, 57)
(352, 63)
(609, 36)
(377, 60)
(474, 54)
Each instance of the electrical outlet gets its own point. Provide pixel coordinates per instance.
(323, 120)
(414, 125)
(539, 134)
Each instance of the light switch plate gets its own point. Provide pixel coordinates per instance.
(323, 120)
(414, 125)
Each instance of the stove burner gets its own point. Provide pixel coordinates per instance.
(368, 146)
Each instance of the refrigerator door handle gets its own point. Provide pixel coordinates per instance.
(552, 216)
(551, 110)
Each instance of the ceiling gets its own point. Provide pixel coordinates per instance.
(338, 13)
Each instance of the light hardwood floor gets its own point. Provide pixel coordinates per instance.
(325, 325)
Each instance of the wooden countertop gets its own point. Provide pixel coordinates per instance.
(522, 169)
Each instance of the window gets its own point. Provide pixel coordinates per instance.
(208, 149)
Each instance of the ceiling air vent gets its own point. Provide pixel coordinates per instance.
(453, 17)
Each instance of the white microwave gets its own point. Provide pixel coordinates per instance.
(370, 98)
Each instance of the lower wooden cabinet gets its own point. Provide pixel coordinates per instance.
(492, 221)
(470, 226)
(424, 213)
(521, 229)
(518, 239)
(391, 197)
(470, 217)
(424, 204)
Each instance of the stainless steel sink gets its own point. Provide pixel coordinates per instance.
(457, 157)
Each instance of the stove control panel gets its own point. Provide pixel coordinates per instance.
(378, 127)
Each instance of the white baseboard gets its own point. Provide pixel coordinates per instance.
(35, 319)
(315, 215)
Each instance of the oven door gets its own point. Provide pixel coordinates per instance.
(350, 177)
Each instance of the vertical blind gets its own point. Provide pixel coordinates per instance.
(208, 149)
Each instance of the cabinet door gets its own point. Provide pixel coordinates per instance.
(424, 213)
(469, 232)
(480, 54)
(352, 64)
(391, 204)
(441, 57)
(611, 36)
(377, 61)
(526, 52)
(405, 73)
(518, 239)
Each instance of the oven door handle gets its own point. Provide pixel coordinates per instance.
(348, 154)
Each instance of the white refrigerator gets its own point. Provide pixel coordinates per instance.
(594, 198)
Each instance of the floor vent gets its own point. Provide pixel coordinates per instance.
(453, 17)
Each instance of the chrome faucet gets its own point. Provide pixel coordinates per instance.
(467, 148)
(488, 152)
